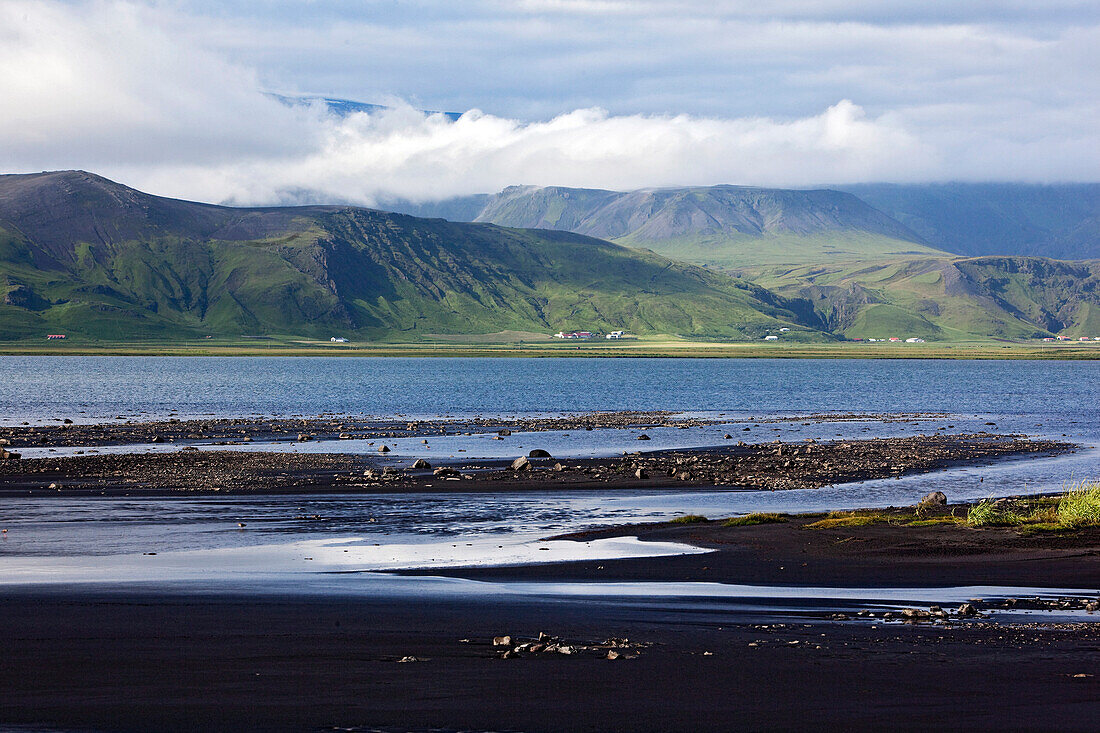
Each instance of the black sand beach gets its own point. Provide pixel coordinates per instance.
(164, 657)
(138, 659)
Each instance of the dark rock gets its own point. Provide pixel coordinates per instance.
(6, 455)
(384, 449)
(643, 436)
(504, 431)
(420, 463)
(641, 473)
(967, 609)
(539, 453)
(936, 498)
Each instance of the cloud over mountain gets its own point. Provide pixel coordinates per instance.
(172, 98)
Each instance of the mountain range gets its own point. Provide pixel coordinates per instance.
(82, 255)
(737, 226)
(86, 256)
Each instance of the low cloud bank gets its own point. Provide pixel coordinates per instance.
(123, 90)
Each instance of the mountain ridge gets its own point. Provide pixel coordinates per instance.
(1061, 221)
(81, 253)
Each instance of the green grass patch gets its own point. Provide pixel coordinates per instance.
(849, 521)
(1080, 506)
(1041, 527)
(755, 518)
(993, 514)
(857, 519)
(935, 521)
(689, 519)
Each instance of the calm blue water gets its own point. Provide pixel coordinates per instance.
(101, 388)
(67, 538)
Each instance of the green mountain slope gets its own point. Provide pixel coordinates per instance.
(1060, 221)
(948, 298)
(82, 255)
(724, 226)
(730, 225)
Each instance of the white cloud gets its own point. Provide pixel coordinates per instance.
(172, 101)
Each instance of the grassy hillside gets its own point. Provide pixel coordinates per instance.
(948, 298)
(726, 226)
(87, 257)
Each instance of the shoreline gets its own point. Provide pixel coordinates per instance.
(644, 349)
(892, 552)
(735, 466)
(129, 658)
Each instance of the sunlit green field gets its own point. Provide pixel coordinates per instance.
(529, 344)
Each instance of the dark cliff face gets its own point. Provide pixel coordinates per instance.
(86, 255)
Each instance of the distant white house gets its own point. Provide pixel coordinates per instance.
(771, 338)
(616, 335)
(914, 340)
(784, 330)
(573, 335)
(338, 340)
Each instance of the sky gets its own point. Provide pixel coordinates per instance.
(176, 97)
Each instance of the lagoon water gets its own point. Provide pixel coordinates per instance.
(197, 538)
(96, 389)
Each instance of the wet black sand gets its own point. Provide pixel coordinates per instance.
(165, 661)
(129, 658)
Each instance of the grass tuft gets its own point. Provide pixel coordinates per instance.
(689, 519)
(754, 518)
(1080, 505)
(988, 513)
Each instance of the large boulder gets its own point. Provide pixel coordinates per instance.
(420, 463)
(539, 453)
(936, 498)
(521, 464)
